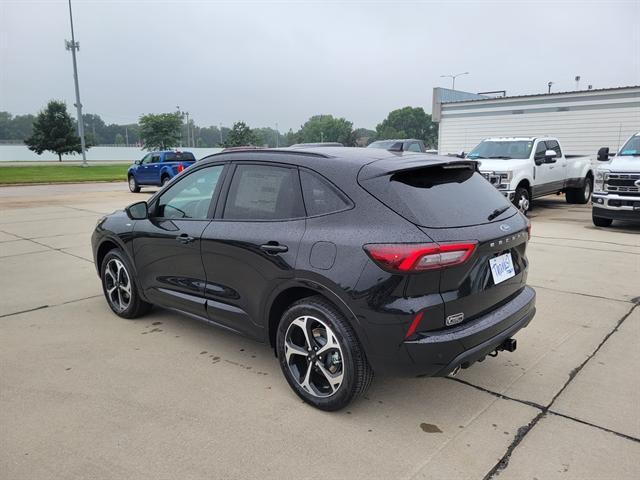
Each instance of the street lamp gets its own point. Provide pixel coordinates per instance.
(453, 78)
(73, 46)
(549, 85)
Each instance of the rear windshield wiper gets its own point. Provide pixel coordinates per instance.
(497, 212)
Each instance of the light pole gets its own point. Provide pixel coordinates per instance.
(220, 133)
(549, 85)
(73, 46)
(277, 136)
(453, 78)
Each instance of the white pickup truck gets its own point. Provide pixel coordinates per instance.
(525, 168)
(616, 194)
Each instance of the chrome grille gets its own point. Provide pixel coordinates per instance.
(623, 182)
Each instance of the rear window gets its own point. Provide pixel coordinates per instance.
(440, 196)
(179, 157)
(320, 197)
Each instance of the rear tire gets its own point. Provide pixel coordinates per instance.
(133, 184)
(320, 356)
(164, 180)
(580, 196)
(522, 199)
(119, 287)
(601, 222)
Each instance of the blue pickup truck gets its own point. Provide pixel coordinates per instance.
(157, 168)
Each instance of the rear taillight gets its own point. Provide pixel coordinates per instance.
(413, 257)
(180, 167)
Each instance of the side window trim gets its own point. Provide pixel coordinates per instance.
(153, 206)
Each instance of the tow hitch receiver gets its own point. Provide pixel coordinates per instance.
(510, 345)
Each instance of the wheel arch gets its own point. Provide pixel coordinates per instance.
(291, 292)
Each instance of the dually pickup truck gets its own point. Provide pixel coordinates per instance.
(616, 194)
(529, 167)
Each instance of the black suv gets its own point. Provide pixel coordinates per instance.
(347, 261)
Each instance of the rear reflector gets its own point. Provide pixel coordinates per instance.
(417, 257)
(180, 167)
(414, 324)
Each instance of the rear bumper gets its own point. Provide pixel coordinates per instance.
(441, 352)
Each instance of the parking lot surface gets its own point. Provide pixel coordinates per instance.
(85, 394)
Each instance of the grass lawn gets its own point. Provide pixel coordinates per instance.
(62, 173)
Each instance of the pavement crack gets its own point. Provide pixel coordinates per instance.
(24, 311)
(584, 240)
(41, 307)
(496, 394)
(584, 422)
(524, 430)
(584, 248)
(583, 294)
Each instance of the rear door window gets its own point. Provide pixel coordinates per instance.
(320, 196)
(439, 196)
(414, 147)
(264, 192)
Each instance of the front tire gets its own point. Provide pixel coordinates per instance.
(522, 199)
(119, 287)
(320, 356)
(133, 184)
(601, 222)
(582, 195)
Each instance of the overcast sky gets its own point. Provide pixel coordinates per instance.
(265, 61)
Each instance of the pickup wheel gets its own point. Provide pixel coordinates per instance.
(522, 199)
(164, 180)
(601, 222)
(580, 195)
(133, 185)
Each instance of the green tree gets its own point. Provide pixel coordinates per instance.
(119, 139)
(409, 122)
(364, 136)
(240, 135)
(326, 128)
(53, 131)
(160, 131)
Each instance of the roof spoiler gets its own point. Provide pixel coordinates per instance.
(373, 170)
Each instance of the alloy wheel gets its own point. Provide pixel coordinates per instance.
(117, 284)
(523, 203)
(313, 356)
(132, 184)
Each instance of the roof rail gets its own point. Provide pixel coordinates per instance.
(274, 151)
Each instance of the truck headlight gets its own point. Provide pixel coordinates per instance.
(601, 180)
(500, 180)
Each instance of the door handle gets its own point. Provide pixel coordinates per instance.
(184, 238)
(274, 248)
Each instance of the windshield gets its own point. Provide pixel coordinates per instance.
(631, 148)
(382, 144)
(503, 149)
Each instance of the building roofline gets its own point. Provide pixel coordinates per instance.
(535, 95)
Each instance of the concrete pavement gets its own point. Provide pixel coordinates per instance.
(85, 394)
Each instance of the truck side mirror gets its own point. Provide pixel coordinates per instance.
(603, 154)
(461, 154)
(550, 156)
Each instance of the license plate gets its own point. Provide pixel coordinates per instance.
(502, 268)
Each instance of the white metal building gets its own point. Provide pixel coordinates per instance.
(583, 120)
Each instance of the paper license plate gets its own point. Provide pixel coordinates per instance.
(502, 268)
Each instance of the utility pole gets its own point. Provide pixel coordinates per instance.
(321, 137)
(126, 135)
(73, 46)
(188, 136)
(277, 136)
(453, 78)
(220, 133)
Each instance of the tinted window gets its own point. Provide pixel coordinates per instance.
(439, 196)
(555, 146)
(190, 197)
(320, 197)
(414, 147)
(263, 192)
(540, 150)
(179, 157)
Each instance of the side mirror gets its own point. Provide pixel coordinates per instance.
(138, 211)
(603, 154)
(138, 162)
(550, 156)
(461, 154)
